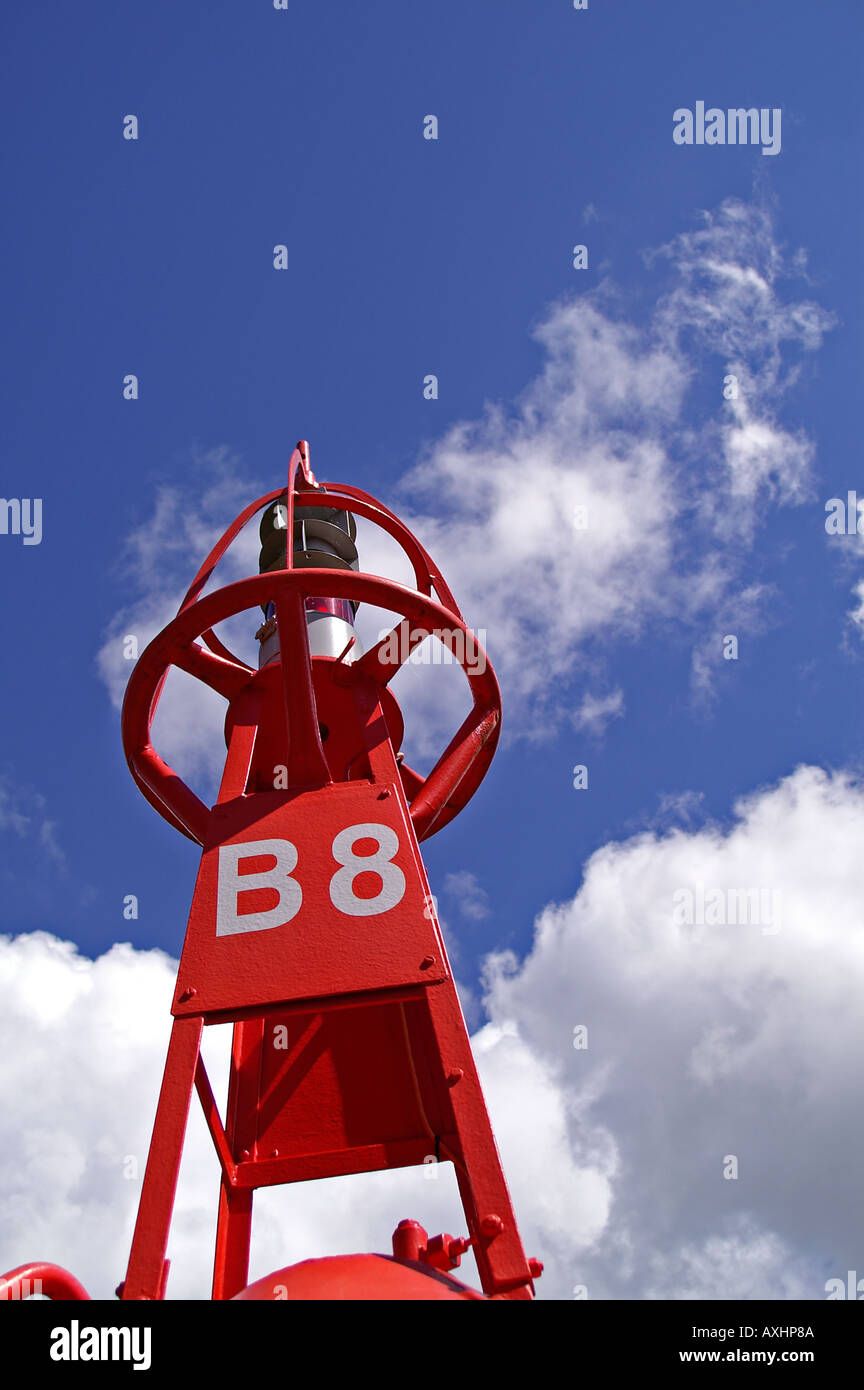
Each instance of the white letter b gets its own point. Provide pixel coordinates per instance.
(232, 883)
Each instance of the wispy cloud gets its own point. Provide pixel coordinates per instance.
(159, 559)
(605, 499)
(23, 812)
(471, 899)
(602, 502)
(596, 712)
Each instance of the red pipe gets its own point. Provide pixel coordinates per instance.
(46, 1279)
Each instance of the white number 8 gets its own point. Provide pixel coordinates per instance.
(342, 893)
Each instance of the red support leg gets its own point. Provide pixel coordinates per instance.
(489, 1213)
(144, 1277)
(234, 1227)
(233, 1235)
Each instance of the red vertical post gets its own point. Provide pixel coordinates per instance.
(144, 1276)
(234, 1226)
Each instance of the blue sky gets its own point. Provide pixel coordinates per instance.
(406, 257)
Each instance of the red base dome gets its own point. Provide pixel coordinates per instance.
(357, 1277)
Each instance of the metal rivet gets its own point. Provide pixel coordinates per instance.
(491, 1225)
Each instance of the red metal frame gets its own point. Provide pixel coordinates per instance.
(350, 1053)
(471, 748)
(434, 800)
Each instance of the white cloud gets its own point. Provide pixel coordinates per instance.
(728, 274)
(161, 556)
(671, 499)
(759, 453)
(23, 812)
(682, 808)
(846, 548)
(81, 1043)
(599, 504)
(596, 711)
(468, 893)
(741, 614)
(742, 1263)
(703, 1042)
(713, 1041)
(857, 613)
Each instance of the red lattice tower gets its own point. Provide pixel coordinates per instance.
(312, 928)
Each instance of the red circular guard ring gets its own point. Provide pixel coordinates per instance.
(448, 787)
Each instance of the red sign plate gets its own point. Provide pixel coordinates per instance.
(318, 893)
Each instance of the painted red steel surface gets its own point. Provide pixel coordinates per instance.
(357, 1278)
(350, 1052)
